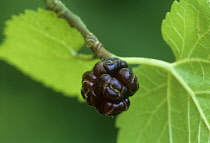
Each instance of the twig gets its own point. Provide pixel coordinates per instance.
(90, 39)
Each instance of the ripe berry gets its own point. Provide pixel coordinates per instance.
(108, 86)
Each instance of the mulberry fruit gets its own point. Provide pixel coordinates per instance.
(109, 85)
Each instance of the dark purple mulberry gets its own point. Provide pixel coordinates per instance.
(108, 86)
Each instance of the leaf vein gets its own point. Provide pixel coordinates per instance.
(172, 41)
(191, 93)
(175, 29)
(169, 109)
(202, 92)
(162, 132)
(150, 118)
(154, 89)
(188, 119)
(199, 132)
(183, 39)
(190, 60)
(197, 42)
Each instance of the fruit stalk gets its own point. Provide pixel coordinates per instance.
(147, 61)
(90, 39)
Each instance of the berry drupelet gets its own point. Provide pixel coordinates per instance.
(108, 86)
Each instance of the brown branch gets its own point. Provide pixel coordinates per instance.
(90, 39)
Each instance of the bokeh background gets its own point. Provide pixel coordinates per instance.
(31, 113)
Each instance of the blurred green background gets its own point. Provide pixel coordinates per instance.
(31, 113)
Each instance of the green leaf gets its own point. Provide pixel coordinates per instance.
(172, 106)
(44, 47)
(186, 29)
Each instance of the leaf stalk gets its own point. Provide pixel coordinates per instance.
(147, 61)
